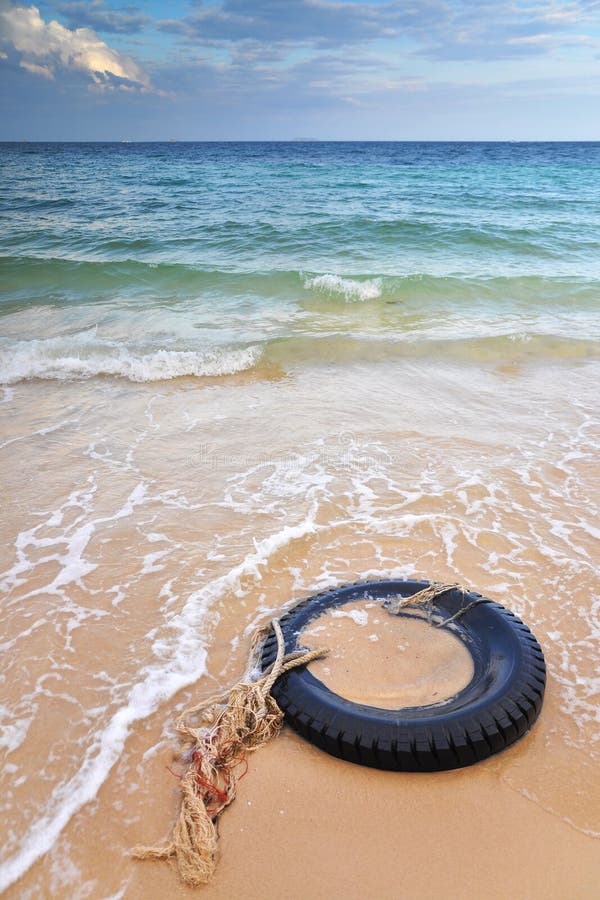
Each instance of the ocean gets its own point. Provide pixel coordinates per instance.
(232, 374)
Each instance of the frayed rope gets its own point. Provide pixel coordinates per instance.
(426, 596)
(228, 727)
(231, 725)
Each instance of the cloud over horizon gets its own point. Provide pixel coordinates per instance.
(326, 68)
(45, 47)
(436, 29)
(98, 15)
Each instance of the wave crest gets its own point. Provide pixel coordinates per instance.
(350, 289)
(85, 356)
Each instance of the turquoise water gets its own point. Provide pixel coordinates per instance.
(220, 256)
(390, 354)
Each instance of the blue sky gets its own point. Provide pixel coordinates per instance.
(283, 69)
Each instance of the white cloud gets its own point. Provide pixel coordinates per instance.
(549, 40)
(81, 49)
(35, 69)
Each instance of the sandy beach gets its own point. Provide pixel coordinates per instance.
(307, 825)
(524, 822)
(233, 376)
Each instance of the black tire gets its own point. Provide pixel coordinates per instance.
(495, 709)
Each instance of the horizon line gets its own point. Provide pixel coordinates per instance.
(301, 141)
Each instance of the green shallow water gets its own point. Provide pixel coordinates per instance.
(217, 248)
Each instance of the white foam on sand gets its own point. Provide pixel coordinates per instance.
(358, 616)
(181, 661)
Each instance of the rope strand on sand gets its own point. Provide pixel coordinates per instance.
(229, 726)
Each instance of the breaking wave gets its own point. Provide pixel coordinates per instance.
(85, 356)
(350, 289)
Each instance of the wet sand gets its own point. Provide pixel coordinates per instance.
(387, 661)
(150, 530)
(307, 825)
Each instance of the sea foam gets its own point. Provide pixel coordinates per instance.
(85, 356)
(350, 289)
(180, 662)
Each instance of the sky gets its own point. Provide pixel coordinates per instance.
(300, 69)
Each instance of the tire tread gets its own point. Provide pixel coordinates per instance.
(450, 743)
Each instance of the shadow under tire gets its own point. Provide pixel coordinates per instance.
(496, 708)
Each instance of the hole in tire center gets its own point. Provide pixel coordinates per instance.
(388, 661)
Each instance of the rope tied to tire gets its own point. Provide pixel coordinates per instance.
(221, 731)
(495, 709)
(426, 596)
(229, 726)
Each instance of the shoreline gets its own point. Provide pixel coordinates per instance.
(237, 376)
(199, 556)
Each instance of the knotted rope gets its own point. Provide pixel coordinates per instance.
(228, 727)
